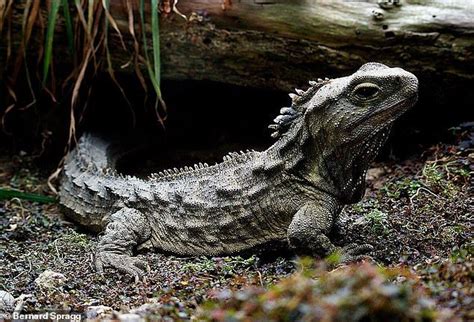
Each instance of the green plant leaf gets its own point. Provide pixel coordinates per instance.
(48, 48)
(155, 31)
(153, 67)
(9, 194)
(69, 28)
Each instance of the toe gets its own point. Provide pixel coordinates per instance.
(99, 266)
(131, 270)
(123, 263)
(362, 249)
(141, 264)
(349, 247)
(356, 258)
(355, 252)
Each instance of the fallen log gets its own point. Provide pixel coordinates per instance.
(282, 43)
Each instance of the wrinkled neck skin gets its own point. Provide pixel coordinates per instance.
(330, 162)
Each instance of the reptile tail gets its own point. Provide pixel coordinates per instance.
(83, 191)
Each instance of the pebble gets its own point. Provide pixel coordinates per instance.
(50, 280)
(375, 173)
(7, 301)
(98, 312)
(130, 317)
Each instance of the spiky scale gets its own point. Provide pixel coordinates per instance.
(287, 110)
(283, 119)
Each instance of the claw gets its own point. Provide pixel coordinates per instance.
(123, 263)
(355, 252)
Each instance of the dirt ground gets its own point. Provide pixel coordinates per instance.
(417, 213)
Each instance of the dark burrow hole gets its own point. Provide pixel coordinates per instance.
(206, 120)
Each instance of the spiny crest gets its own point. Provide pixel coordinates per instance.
(237, 156)
(298, 99)
(176, 171)
(230, 157)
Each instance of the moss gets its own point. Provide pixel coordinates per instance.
(378, 221)
(401, 188)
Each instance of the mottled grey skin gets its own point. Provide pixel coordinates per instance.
(294, 191)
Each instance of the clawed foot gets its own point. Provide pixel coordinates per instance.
(124, 263)
(354, 252)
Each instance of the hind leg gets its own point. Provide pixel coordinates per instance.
(127, 228)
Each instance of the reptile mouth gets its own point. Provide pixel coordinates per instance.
(392, 108)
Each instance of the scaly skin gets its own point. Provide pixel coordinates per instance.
(294, 191)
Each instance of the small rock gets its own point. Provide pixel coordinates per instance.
(374, 173)
(130, 317)
(98, 312)
(91, 302)
(50, 280)
(7, 301)
(360, 221)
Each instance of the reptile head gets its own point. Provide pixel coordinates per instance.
(356, 107)
(342, 123)
(349, 119)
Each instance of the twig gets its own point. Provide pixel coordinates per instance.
(260, 278)
(418, 191)
(18, 200)
(21, 301)
(175, 10)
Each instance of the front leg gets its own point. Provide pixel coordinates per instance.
(308, 232)
(127, 228)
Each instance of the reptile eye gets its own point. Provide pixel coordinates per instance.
(366, 90)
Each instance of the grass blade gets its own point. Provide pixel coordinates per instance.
(142, 19)
(155, 32)
(6, 194)
(5, 7)
(109, 18)
(48, 50)
(69, 28)
(153, 68)
(90, 16)
(136, 44)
